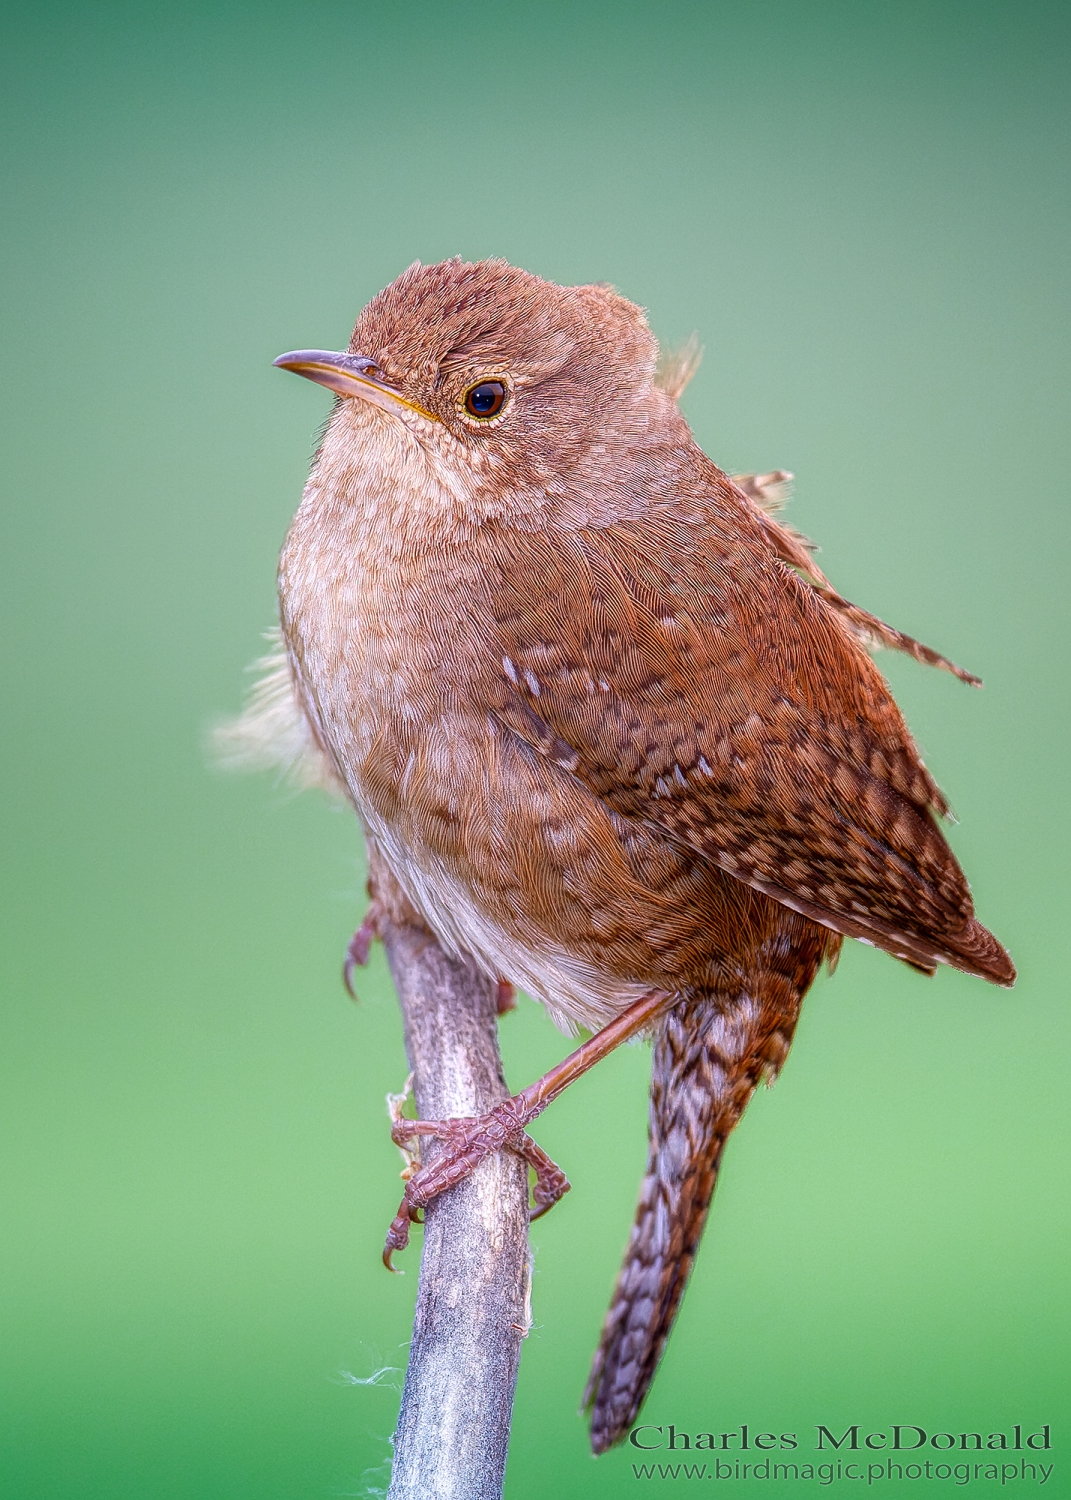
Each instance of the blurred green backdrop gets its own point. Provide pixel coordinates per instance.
(863, 211)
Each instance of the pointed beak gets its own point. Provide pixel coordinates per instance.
(349, 375)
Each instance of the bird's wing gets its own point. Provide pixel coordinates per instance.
(687, 676)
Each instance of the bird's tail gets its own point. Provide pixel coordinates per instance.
(710, 1052)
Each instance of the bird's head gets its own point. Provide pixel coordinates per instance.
(507, 385)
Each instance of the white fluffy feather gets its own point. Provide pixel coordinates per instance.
(271, 733)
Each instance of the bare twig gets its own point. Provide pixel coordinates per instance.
(471, 1313)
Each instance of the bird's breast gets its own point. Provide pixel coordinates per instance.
(381, 622)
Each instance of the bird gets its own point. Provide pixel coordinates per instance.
(609, 730)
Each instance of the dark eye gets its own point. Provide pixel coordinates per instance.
(486, 399)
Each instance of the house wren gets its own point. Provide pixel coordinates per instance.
(608, 728)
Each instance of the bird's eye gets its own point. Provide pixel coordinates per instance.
(486, 399)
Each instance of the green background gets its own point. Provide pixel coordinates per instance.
(863, 211)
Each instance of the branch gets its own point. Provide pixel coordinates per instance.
(471, 1312)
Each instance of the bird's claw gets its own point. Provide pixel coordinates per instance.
(467, 1141)
(359, 947)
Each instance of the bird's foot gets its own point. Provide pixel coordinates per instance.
(360, 946)
(467, 1141)
(505, 997)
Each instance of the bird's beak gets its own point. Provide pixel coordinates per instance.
(349, 375)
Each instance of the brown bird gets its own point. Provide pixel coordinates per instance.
(607, 727)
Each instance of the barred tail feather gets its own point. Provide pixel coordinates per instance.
(683, 1155)
(710, 1052)
(976, 951)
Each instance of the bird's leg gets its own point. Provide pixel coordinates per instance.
(505, 997)
(468, 1140)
